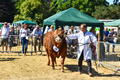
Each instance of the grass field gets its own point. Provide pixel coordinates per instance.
(14, 67)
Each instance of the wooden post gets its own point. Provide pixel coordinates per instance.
(117, 31)
(99, 46)
(118, 34)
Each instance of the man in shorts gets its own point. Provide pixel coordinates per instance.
(5, 30)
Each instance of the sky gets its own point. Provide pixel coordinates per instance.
(110, 1)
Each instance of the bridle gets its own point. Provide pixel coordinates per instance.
(59, 36)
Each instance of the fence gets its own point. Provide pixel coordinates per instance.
(105, 54)
(17, 47)
(108, 54)
(72, 48)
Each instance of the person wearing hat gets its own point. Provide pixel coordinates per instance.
(51, 28)
(11, 38)
(37, 34)
(5, 30)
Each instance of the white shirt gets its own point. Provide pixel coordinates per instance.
(69, 31)
(5, 32)
(49, 30)
(24, 32)
(36, 33)
(46, 29)
(84, 39)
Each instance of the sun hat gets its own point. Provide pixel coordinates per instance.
(37, 26)
(51, 26)
(11, 26)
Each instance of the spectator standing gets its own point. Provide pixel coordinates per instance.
(11, 38)
(51, 28)
(71, 30)
(5, 31)
(37, 34)
(106, 33)
(93, 30)
(112, 35)
(24, 33)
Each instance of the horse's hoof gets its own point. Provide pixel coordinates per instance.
(48, 64)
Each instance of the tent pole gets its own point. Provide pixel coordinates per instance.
(101, 33)
(118, 31)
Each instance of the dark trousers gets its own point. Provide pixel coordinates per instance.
(80, 64)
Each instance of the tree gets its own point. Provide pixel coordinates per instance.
(18, 4)
(33, 10)
(107, 12)
(7, 10)
(115, 2)
(85, 6)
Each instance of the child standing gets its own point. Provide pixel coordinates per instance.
(11, 38)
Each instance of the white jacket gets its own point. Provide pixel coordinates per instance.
(84, 39)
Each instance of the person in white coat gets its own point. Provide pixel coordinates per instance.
(84, 51)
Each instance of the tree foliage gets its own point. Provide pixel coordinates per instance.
(7, 10)
(115, 2)
(18, 4)
(33, 10)
(107, 12)
(85, 6)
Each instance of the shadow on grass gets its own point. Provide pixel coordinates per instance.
(8, 59)
(41, 54)
(74, 68)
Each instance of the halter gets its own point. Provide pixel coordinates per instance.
(59, 36)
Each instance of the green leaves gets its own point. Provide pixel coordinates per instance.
(107, 12)
(33, 10)
(86, 6)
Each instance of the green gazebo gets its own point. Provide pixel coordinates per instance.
(73, 17)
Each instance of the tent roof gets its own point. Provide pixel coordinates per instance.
(25, 21)
(19, 21)
(113, 23)
(28, 22)
(71, 16)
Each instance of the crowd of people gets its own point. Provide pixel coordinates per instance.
(82, 36)
(7, 37)
(110, 37)
(37, 34)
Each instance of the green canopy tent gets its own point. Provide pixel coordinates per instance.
(73, 17)
(1, 25)
(29, 22)
(19, 22)
(25, 21)
(115, 23)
